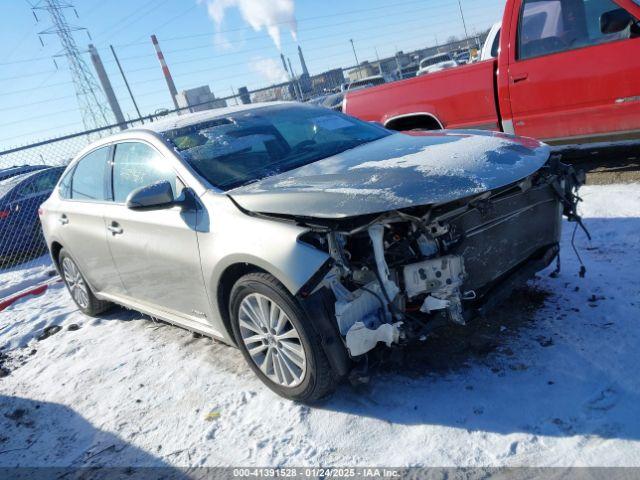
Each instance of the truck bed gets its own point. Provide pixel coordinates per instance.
(460, 97)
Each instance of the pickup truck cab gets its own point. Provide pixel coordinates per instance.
(566, 72)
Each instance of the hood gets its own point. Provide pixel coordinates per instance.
(398, 171)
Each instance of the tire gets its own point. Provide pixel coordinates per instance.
(79, 289)
(279, 354)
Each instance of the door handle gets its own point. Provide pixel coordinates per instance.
(63, 219)
(115, 228)
(519, 77)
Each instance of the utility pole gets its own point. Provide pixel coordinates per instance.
(126, 83)
(90, 98)
(464, 25)
(355, 56)
(106, 86)
(167, 74)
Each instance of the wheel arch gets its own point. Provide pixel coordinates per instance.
(55, 248)
(410, 121)
(230, 275)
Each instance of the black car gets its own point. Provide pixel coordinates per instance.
(20, 196)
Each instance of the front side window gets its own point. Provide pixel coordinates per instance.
(88, 180)
(246, 146)
(552, 26)
(138, 165)
(46, 181)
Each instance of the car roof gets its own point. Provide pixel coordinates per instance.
(19, 169)
(198, 117)
(26, 175)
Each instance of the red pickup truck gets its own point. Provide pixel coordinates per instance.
(566, 72)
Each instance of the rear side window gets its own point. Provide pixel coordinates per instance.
(553, 26)
(88, 181)
(138, 165)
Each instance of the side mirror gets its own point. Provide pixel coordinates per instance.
(615, 21)
(156, 195)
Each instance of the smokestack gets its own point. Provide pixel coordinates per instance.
(302, 62)
(296, 84)
(284, 63)
(165, 71)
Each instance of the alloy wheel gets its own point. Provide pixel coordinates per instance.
(272, 340)
(75, 282)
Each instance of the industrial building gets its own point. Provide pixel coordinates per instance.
(198, 99)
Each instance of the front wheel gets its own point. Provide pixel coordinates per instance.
(277, 339)
(78, 288)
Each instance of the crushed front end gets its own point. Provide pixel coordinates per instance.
(394, 277)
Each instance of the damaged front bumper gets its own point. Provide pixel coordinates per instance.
(394, 278)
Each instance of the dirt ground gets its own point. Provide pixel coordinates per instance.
(607, 166)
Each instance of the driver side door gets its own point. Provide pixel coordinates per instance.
(569, 82)
(155, 250)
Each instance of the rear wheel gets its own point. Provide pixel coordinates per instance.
(277, 339)
(78, 288)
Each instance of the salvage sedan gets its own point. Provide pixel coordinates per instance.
(305, 237)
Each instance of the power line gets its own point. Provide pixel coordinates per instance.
(299, 20)
(378, 36)
(213, 57)
(88, 93)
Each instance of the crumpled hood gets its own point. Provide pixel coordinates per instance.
(398, 171)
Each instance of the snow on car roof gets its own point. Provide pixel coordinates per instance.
(197, 117)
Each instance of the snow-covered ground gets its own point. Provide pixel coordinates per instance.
(17, 277)
(552, 380)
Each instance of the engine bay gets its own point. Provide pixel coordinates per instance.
(397, 276)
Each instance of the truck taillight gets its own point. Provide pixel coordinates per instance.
(4, 214)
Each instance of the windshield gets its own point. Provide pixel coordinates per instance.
(433, 60)
(366, 82)
(246, 146)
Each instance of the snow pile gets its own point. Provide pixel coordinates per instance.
(549, 381)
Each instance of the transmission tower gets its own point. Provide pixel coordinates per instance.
(90, 97)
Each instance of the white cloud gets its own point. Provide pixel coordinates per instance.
(270, 15)
(270, 69)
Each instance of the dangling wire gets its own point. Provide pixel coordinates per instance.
(583, 269)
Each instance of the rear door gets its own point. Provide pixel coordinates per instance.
(155, 250)
(568, 81)
(84, 197)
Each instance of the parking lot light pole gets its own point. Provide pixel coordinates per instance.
(464, 25)
(356, 56)
(124, 77)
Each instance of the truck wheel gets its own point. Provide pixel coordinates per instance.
(80, 291)
(277, 340)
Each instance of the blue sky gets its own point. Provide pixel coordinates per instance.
(37, 101)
